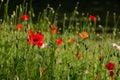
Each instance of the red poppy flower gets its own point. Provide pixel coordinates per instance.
(36, 39)
(53, 26)
(53, 29)
(30, 32)
(24, 17)
(59, 41)
(83, 35)
(19, 27)
(79, 56)
(93, 18)
(110, 66)
(111, 73)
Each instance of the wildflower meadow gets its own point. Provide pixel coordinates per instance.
(79, 48)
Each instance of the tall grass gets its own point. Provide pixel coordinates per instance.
(76, 58)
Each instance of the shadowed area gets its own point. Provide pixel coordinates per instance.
(93, 7)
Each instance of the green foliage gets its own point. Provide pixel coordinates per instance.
(19, 61)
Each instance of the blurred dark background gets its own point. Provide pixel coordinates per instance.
(90, 6)
(93, 7)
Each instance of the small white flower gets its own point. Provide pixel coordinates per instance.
(44, 45)
(86, 71)
(116, 45)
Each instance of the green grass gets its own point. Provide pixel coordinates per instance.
(19, 61)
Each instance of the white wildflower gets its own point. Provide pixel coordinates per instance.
(44, 45)
(116, 45)
(86, 71)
